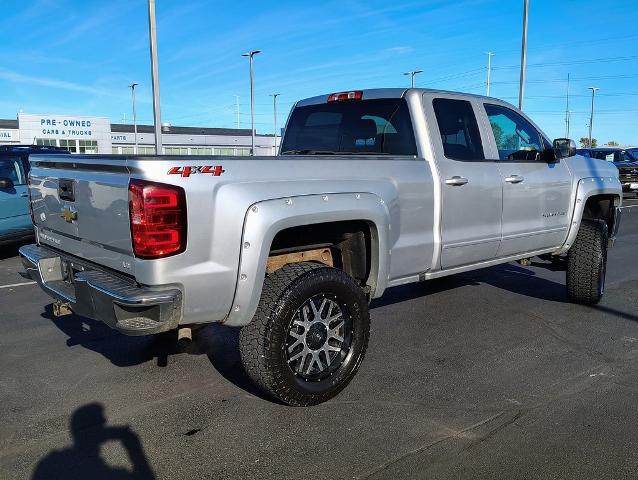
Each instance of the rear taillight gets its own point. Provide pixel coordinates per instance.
(158, 219)
(345, 96)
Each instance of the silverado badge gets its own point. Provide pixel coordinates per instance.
(69, 214)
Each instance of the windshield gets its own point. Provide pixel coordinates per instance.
(375, 127)
(608, 155)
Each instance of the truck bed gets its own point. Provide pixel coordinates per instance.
(219, 192)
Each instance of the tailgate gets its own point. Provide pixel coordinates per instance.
(80, 206)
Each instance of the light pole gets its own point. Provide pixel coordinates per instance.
(274, 108)
(489, 71)
(250, 56)
(412, 74)
(567, 110)
(521, 88)
(157, 115)
(132, 87)
(237, 108)
(591, 115)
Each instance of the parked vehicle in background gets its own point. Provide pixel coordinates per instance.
(372, 189)
(625, 160)
(610, 154)
(15, 219)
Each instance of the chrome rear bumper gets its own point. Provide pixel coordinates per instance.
(120, 303)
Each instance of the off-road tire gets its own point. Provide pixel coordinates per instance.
(587, 263)
(262, 343)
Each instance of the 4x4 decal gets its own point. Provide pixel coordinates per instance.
(215, 170)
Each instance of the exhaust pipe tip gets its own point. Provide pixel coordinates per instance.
(184, 336)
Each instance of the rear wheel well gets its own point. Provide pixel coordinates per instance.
(348, 241)
(601, 207)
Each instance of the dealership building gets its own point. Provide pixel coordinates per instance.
(83, 134)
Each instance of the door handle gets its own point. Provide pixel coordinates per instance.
(514, 179)
(456, 181)
(24, 194)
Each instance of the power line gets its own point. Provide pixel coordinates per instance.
(573, 62)
(454, 76)
(562, 80)
(597, 41)
(578, 95)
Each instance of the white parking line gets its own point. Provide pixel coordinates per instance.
(629, 206)
(16, 284)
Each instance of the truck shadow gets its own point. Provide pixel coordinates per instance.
(120, 350)
(510, 277)
(10, 250)
(219, 343)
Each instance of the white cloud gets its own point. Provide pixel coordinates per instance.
(21, 79)
(400, 50)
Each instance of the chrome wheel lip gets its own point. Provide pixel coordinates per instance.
(317, 364)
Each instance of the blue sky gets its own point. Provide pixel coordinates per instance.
(77, 57)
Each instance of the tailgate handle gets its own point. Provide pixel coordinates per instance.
(66, 190)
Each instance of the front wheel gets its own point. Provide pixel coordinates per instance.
(587, 263)
(309, 334)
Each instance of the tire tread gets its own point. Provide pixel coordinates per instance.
(255, 338)
(583, 262)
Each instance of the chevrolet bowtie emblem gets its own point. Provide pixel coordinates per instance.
(69, 214)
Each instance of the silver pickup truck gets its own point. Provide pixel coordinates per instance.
(371, 189)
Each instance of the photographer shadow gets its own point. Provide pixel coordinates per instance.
(82, 459)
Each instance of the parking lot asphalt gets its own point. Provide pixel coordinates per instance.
(488, 374)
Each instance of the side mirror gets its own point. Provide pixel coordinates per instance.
(564, 147)
(6, 182)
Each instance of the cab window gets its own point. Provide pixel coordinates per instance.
(458, 128)
(11, 168)
(515, 137)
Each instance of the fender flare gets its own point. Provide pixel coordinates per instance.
(588, 187)
(263, 220)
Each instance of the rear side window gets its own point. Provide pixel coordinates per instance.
(458, 128)
(356, 127)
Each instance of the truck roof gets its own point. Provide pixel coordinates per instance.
(21, 149)
(373, 93)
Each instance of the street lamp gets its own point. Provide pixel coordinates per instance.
(567, 112)
(412, 74)
(274, 108)
(250, 56)
(157, 116)
(489, 71)
(132, 87)
(237, 110)
(591, 115)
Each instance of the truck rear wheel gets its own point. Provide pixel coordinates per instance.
(587, 263)
(309, 334)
